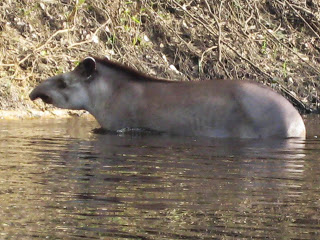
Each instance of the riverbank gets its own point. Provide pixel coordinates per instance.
(34, 113)
(271, 42)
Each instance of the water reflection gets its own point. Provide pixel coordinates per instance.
(59, 180)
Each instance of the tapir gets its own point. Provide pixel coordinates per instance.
(120, 97)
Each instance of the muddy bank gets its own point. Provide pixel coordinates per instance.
(274, 43)
(34, 113)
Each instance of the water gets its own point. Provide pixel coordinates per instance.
(59, 180)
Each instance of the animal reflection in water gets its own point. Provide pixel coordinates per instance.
(123, 98)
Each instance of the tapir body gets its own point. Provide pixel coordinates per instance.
(120, 97)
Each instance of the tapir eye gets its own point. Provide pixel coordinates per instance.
(61, 84)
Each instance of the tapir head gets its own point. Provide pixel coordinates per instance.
(68, 90)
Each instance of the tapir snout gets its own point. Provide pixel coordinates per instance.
(42, 94)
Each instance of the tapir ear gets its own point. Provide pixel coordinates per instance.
(89, 66)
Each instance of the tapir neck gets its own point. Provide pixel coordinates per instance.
(116, 104)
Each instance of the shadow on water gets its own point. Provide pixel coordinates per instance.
(59, 180)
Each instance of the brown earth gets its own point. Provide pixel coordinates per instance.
(274, 42)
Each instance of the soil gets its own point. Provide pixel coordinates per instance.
(274, 42)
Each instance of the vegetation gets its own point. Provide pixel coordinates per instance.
(276, 42)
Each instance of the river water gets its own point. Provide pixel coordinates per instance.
(60, 180)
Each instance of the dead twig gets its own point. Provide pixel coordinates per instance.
(52, 36)
(288, 48)
(194, 18)
(218, 24)
(302, 18)
(202, 57)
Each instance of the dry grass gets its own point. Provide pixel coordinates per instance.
(275, 42)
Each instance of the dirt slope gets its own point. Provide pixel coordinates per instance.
(274, 42)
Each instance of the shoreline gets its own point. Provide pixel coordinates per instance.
(36, 114)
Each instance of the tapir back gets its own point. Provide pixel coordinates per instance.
(221, 108)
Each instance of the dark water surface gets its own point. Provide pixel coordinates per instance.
(59, 180)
